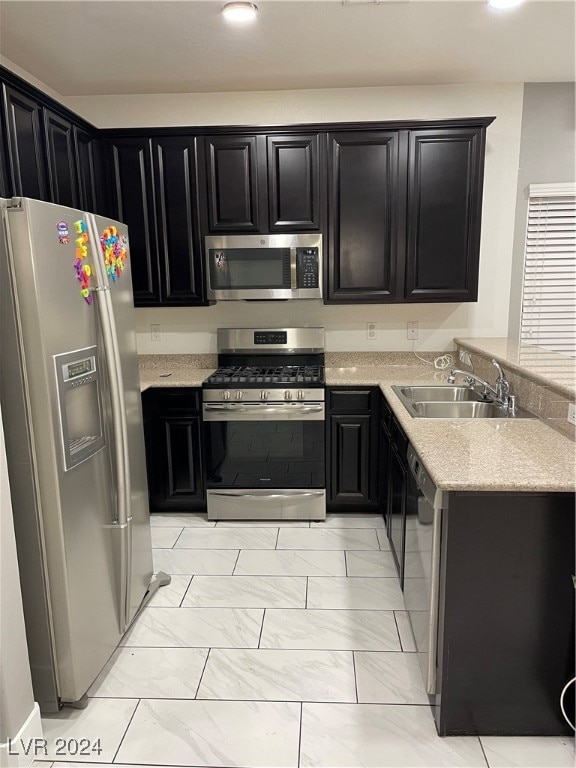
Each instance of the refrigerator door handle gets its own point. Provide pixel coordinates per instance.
(121, 464)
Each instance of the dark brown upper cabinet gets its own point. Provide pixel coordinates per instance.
(89, 165)
(62, 172)
(294, 174)
(262, 183)
(405, 213)
(445, 172)
(364, 215)
(26, 171)
(234, 195)
(132, 185)
(179, 251)
(155, 187)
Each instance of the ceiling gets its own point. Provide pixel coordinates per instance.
(80, 47)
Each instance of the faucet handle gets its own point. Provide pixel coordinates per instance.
(498, 368)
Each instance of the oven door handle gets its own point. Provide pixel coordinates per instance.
(262, 409)
(265, 495)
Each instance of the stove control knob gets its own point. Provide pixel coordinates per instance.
(238, 394)
(300, 395)
(264, 395)
(287, 395)
(226, 395)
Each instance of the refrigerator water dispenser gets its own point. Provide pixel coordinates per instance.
(81, 429)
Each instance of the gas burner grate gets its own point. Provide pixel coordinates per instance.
(284, 374)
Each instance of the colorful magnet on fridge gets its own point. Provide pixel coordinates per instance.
(80, 226)
(63, 234)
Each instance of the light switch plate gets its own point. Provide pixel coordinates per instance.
(371, 331)
(572, 413)
(155, 334)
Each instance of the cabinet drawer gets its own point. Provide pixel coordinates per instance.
(351, 400)
(399, 439)
(178, 402)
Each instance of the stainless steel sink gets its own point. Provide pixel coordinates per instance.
(469, 410)
(445, 402)
(445, 394)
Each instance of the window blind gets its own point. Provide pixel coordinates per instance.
(549, 290)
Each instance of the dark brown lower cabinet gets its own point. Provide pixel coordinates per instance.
(506, 614)
(505, 631)
(352, 437)
(173, 426)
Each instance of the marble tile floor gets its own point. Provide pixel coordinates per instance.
(275, 646)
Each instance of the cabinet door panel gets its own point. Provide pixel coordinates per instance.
(26, 157)
(172, 429)
(350, 459)
(444, 209)
(363, 180)
(179, 246)
(134, 202)
(89, 170)
(182, 446)
(294, 183)
(62, 175)
(232, 184)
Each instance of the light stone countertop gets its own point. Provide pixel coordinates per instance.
(175, 370)
(506, 455)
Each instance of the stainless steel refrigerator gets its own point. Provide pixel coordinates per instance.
(73, 424)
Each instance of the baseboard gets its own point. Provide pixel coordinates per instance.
(21, 750)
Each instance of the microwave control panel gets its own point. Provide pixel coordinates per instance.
(308, 267)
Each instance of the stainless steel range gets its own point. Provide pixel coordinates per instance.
(264, 425)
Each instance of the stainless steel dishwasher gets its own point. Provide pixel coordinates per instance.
(422, 564)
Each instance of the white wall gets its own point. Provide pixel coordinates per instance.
(19, 715)
(31, 79)
(547, 156)
(192, 330)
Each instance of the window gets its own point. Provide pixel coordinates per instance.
(549, 290)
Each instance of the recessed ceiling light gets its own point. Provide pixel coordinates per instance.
(240, 11)
(504, 4)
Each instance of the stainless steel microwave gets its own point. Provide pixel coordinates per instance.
(264, 266)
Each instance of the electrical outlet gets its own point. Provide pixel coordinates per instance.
(412, 330)
(465, 357)
(371, 331)
(155, 334)
(572, 413)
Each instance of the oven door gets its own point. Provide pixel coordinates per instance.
(265, 462)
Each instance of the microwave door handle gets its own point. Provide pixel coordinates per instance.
(293, 269)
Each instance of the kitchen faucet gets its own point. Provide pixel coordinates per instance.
(501, 391)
